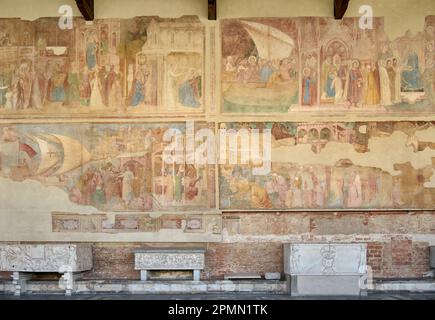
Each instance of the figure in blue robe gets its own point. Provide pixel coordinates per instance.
(138, 95)
(266, 72)
(330, 90)
(187, 95)
(91, 55)
(308, 89)
(307, 99)
(58, 94)
(411, 78)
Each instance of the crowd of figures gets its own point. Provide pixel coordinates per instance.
(28, 86)
(110, 187)
(259, 70)
(306, 187)
(370, 83)
(340, 68)
(114, 187)
(353, 82)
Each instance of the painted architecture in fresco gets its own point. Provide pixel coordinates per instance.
(357, 165)
(109, 167)
(280, 65)
(111, 66)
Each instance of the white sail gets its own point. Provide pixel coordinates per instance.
(49, 155)
(271, 43)
(74, 154)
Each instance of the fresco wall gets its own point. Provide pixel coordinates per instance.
(285, 65)
(110, 67)
(337, 165)
(83, 113)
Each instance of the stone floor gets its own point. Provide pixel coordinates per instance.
(242, 296)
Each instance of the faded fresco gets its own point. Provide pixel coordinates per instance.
(144, 65)
(358, 165)
(280, 65)
(111, 167)
(100, 176)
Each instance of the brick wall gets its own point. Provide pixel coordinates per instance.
(253, 243)
(224, 258)
(399, 258)
(113, 261)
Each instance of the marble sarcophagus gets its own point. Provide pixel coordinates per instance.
(147, 259)
(325, 268)
(66, 259)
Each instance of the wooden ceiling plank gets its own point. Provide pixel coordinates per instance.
(212, 15)
(340, 7)
(86, 7)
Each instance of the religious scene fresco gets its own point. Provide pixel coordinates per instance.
(110, 66)
(111, 167)
(337, 166)
(125, 82)
(280, 65)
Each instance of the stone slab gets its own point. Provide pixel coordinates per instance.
(59, 258)
(325, 285)
(216, 286)
(169, 259)
(242, 276)
(325, 259)
(272, 276)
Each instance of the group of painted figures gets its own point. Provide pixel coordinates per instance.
(368, 83)
(114, 187)
(28, 86)
(304, 187)
(52, 82)
(264, 71)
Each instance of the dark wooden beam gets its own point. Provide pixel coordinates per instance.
(212, 9)
(86, 7)
(340, 7)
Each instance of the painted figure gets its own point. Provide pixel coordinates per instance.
(411, 77)
(189, 92)
(127, 186)
(96, 99)
(355, 79)
(91, 54)
(309, 88)
(354, 191)
(384, 84)
(372, 94)
(138, 89)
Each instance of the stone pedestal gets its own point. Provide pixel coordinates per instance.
(325, 268)
(66, 259)
(147, 259)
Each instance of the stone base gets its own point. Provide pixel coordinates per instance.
(405, 286)
(152, 287)
(192, 287)
(330, 285)
(67, 282)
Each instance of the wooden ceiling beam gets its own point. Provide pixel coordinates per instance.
(340, 7)
(212, 9)
(86, 7)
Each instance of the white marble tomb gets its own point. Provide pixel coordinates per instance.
(147, 259)
(66, 259)
(325, 268)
